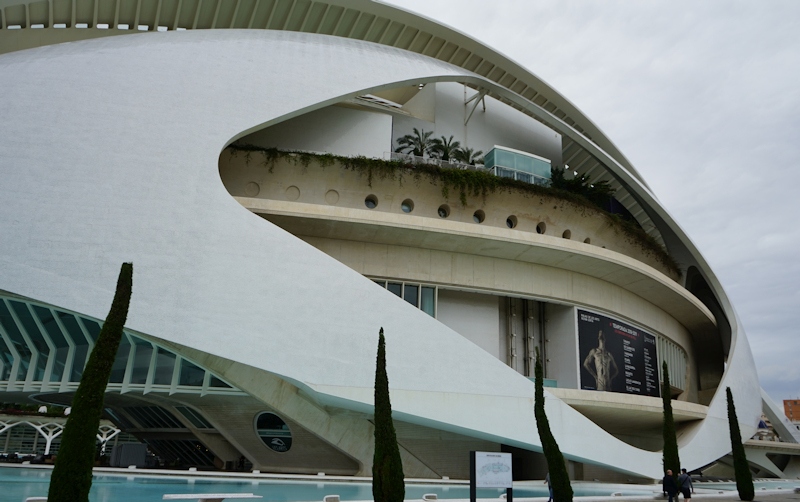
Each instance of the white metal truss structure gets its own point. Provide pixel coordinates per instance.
(44, 350)
(50, 430)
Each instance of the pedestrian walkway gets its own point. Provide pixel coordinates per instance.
(783, 495)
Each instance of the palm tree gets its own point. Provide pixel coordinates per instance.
(445, 148)
(417, 144)
(468, 156)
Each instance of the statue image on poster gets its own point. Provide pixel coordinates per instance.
(616, 357)
(601, 364)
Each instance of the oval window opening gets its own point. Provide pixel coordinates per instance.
(274, 432)
(407, 206)
(444, 211)
(479, 216)
(371, 202)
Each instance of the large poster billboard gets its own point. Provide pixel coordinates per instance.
(616, 357)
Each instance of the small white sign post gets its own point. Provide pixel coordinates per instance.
(490, 470)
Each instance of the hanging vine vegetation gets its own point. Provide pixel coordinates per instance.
(464, 183)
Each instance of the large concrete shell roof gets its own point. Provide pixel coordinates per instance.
(116, 200)
(357, 19)
(129, 172)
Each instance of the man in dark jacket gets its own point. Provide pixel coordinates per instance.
(669, 486)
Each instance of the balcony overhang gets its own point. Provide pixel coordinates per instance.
(362, 225)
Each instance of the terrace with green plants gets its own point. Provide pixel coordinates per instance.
(458, 172)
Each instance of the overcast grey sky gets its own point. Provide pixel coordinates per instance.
(704, 99)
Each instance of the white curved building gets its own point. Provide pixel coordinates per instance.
(261, 278)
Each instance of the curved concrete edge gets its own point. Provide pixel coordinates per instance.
(585, 259)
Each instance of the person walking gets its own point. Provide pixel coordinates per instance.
(550, 486)
(685, 485)
(669, 486)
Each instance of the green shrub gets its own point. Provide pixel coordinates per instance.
(598, 192)
(388, 483)
(465, 183)
(559, 477)
(744, 478)
(671, 459)
(72, 476)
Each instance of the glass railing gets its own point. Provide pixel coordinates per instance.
(509, 163)
(533, 179)
(541, 167)
(415, 159)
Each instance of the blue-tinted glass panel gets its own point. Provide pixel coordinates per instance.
(541, 168)
(524, 163)
(81, 345)
(7, 359)
(503, 158)
(120, 419)
(505, 173)
(74, 331)
(428, 301)
(395, 288)
(488, 159)
(121, 361)
(57, 337)
(518, 166)
(216, 382)
(78, 363)
(194, 417)
(141, 360)
(165, 366)
(154, 417)
(191, 374)
(92, 328)
(30, 327)
(411, 294)
(15, 338)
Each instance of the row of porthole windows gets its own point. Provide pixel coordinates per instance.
(479, 216)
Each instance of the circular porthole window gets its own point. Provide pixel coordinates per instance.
(371, 202)
(478, 216)
(587, 240)
(541, 228)
(567, 234)
(444, 211)
(407, 206)
(511, 221)
(274, 432)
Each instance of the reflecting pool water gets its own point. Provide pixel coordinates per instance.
(18, 483)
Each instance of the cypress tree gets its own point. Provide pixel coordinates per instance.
(744, 478)
(72, 475)
(671, 459)
(387, 469)
(559, 477)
